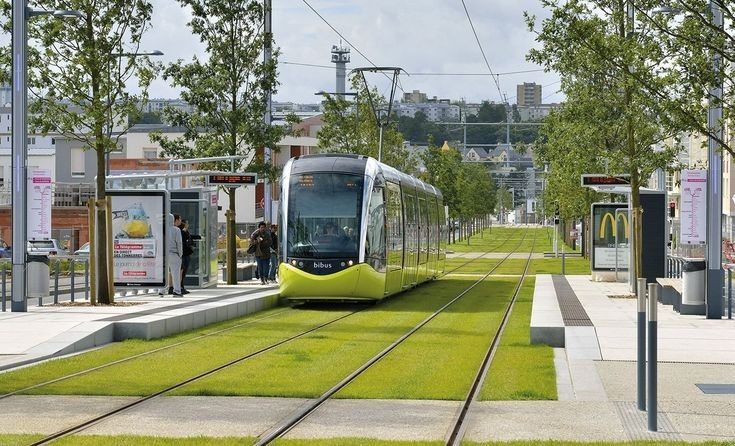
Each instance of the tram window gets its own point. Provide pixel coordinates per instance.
(375, 240)
(395, 225)
(324, 215)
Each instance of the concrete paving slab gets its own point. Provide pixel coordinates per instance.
(195, 416)
(49, 414)
(381, 419)
(542, 420)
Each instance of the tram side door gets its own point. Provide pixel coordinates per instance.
(410, 237)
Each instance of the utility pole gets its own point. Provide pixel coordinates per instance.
(267, 55)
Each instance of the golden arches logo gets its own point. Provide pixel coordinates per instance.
(614, 226)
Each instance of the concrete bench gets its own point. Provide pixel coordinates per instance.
(672, 289)
(244, 272)
(547, 324)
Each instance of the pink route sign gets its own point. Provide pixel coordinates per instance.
(693, 207)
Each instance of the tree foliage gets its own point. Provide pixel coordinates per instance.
(79, 70)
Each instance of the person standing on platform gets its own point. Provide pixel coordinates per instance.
(274, 254)
(188, 250)
(175, 250)
(262, 240)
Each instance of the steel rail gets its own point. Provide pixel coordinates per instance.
(285, 426)
(459, 425)
(91, 422)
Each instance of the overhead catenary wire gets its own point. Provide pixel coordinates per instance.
(507, 73)
(482, 50)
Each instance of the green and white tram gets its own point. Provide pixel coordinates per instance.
(356, 229)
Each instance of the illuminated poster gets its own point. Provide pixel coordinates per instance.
(694, 207)
(138, 235)
(610, 236)
(39, 204)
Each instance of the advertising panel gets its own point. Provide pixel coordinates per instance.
(610, 236)
(693, 211)
(39, 204)
(138, 237)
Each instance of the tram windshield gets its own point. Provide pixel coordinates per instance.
(324, 215)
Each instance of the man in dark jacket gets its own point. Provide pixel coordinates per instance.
(262, 240)
(274, 253)
(188, 243)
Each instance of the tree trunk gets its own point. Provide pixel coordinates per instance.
(104, 289)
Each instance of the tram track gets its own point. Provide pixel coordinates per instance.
(109, 414)
(459, 424)
(308, 409)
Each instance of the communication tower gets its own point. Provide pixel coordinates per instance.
(340, 57)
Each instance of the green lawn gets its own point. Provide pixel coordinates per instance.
(441, 359)
(153, 372)
(521, 371)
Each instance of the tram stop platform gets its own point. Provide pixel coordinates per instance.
(593, 327)
(56, 330)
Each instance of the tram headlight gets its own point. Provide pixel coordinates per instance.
(342, 264)
(350, 263)
(293, 262)
(301, 264)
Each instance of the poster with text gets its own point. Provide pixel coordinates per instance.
(138, 237)
(610, 236)
(39, 204)
(693, 211)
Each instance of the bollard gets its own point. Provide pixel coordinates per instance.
(4, 289)
(56, 283)
(653, 291)
(729, 294)
(641, 344)
(563, 258)
(86, 279)
(71, 268)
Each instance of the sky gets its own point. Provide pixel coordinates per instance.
(420, 36)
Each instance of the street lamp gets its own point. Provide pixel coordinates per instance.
(715, 276)
(109, 105)
(19, 148)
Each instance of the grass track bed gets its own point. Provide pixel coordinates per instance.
(441, 359)
(54, 368)
(148, 374)
(521, 371)
(506, 239)
(310, 365)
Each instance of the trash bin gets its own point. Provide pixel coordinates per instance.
(37, 274)
(693, 278)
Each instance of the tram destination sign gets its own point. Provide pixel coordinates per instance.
(233, 179)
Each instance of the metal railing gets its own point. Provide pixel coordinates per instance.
(68, 275)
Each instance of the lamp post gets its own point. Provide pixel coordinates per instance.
(715, 275)
(19, 148)
(109, 111)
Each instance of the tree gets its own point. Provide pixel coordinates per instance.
(442, 170)
(593, 46)
(227, 92)
(79, 71)
(351, 127)
(504, 201)
(476, 191)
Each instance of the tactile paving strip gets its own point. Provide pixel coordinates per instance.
(635, 423)
(572, 310)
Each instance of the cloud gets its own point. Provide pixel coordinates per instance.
(420, 36)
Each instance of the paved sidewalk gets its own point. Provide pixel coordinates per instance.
(48, 331)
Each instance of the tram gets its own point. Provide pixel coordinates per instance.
(353, 228)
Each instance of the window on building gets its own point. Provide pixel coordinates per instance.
(77, 162)
(150, 154)
(53, 141)
(2, 176)
(31, 140)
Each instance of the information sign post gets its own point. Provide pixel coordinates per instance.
(693, 211)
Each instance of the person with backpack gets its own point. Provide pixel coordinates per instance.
(262, 240)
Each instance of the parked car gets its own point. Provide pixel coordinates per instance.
(5, 252)
(47, 246)
(83, 250)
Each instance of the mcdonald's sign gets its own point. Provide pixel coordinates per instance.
(610, 236)
(613, 224)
